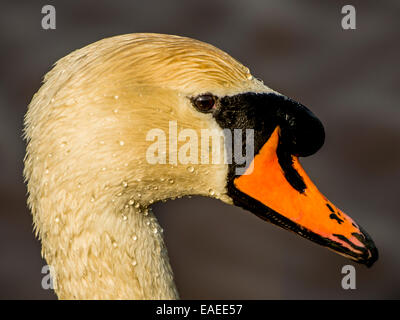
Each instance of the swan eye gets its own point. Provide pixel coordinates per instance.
(204, 102)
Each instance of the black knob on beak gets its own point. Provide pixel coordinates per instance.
(302, 133)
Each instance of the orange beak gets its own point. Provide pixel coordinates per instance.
(306, 212)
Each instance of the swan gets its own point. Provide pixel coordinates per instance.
(91, 185)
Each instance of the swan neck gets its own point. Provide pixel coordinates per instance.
(108, 250)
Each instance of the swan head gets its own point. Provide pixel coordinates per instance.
(148, 117)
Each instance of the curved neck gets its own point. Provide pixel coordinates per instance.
(109, 250)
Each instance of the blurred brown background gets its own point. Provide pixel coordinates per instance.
(350, 79)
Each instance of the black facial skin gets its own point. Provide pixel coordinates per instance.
(301, 134)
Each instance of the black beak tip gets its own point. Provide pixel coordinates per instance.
(370, 255)
(372, 252)
(373, 256)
